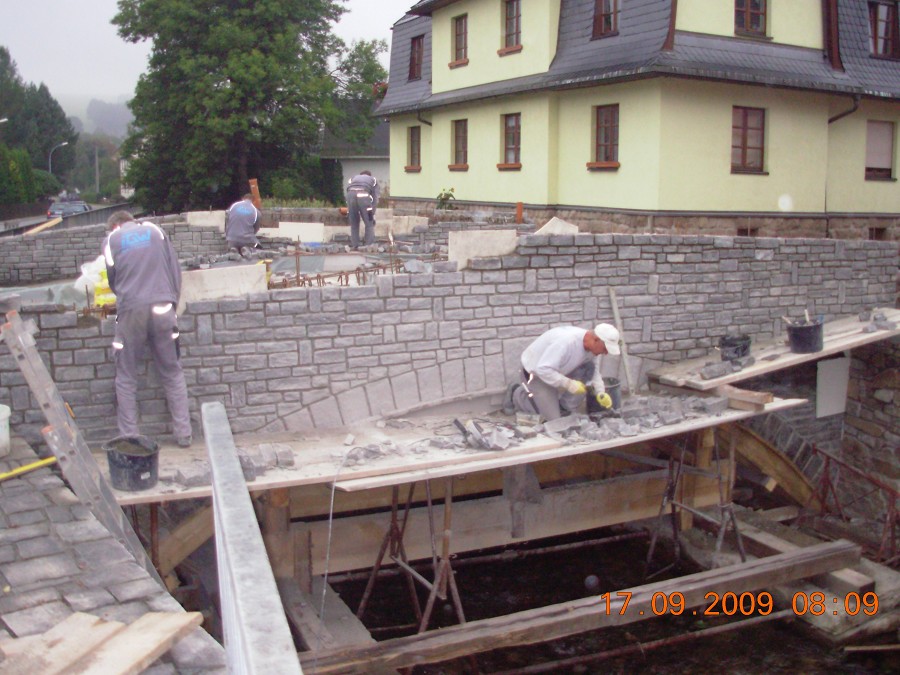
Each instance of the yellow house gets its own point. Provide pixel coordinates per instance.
(690, 111)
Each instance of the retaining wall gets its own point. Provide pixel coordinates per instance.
(301, 358)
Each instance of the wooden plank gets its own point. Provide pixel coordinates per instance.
(303, 615)
(761, 543)
(744, 399)
(526, 454)
(578, 616)
(56, 650)
(339, 620)
(320, 458)
(139, 644)
(781, 514)
(53, 222)
(773, 354)
(773, 463)
(480, 523)
(186, 538)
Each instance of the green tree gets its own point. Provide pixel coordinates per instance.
(234, 90)
(358, 72)
(45, 126)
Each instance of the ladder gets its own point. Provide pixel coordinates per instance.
(65, 440)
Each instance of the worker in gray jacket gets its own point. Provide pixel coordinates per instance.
(362, 200)
(559, 366)
(241, 226)
(144, 274)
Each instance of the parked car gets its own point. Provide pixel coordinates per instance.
(65, 209)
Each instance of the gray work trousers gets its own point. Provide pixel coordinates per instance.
(549, 402)
(360, 205)
(137, 330)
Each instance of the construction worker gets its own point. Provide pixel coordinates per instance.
(144, 273)
(362, 200)
(241, 226)
(558, 368)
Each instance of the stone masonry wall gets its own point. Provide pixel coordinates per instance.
(301, 358)
(838, 226)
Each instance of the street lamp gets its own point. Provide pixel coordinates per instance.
(50, 158)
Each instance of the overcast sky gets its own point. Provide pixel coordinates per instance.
(71, 46)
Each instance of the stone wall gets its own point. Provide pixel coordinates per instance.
(300, 358)
(840, 226)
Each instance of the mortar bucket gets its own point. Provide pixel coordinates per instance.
(614, 389)
(734, 347)
(4, 430)
(133, 462)
(806, 339)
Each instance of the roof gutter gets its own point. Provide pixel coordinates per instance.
(853, 109)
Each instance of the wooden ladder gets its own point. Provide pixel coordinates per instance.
(65, 440)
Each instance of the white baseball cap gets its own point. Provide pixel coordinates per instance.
(610, 337)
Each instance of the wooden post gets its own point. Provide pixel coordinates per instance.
(254, 190)
(704, 440)
(519, 213)
(276, 521)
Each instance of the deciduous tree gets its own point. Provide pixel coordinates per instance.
(234, 90)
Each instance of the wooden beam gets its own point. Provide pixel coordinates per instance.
(578, 616)
(276, 521)
(520, 487)
(479, 523)
(187, 537)
(772, 462)
(744, 399)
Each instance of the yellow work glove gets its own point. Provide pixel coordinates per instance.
(604, 400)
(575, 387)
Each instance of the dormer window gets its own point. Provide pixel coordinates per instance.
(416, 57)
(884, 30)
(750, 17)
(606, 18)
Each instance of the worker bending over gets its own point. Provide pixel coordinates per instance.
(144, 273)
(362, 200)
(558, 368)
(241, 226)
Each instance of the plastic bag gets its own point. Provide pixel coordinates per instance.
(90, 273)
(93, 278)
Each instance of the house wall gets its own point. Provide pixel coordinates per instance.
(796, 22)
(848, 189)
(695, 142)
(636, 183)
(295, 359)
(674, 151)
(540, 24)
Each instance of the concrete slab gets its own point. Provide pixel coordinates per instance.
(474, 244)
(221, 282)
(307, 233)
(206, 219)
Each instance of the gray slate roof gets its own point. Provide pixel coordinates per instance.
(637, 52)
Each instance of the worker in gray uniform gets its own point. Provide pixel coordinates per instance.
(144, 274)
(362, 200)
(241, 225)
(559, 366)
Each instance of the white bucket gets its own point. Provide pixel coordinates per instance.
(4, 430)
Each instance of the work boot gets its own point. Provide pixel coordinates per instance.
(245, 252)
(184, 441)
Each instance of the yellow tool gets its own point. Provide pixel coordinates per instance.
(27, 468)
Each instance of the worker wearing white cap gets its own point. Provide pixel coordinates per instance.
(558, 367)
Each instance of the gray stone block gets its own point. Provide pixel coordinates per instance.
(194, 475)
(41, 569)
(85, 601)
(36, 619)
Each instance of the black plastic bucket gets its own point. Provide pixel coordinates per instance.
(614, 389)
(133, 462)
(805, 338)
(733, 347)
